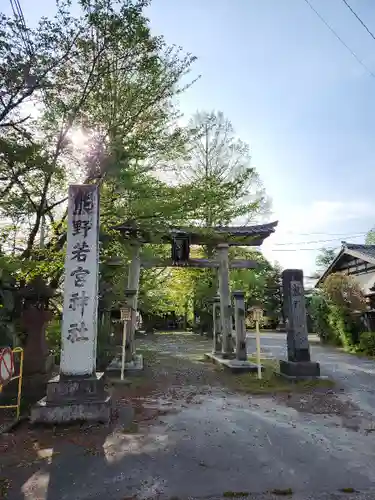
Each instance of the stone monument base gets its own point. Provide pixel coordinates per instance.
(295, 370)
(234, 365)
(74, 398)
(135, 365)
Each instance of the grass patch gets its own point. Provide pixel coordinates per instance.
(271, 382)
(137, 381)
(348, 490)
(132, 428)
(4, 487)
(235, 494)
(285, 493)
(354, 351)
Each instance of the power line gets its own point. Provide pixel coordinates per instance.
(359, 19)
(347, 235)
(299, 249)
(18, 14)
(319, 241)
(341, 40)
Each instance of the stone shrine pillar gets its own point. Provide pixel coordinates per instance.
(239, 317)
(225, 302)
(78, 393)
(299, 363)
(132, 297)
(216, 321)
(134, 272)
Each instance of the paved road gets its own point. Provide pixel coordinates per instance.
(208, 441)
(355, 375)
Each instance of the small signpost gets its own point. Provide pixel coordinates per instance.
(126, 315)
(257, 313)
(6, 365)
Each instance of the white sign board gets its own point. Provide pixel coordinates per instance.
(126, 313)
(79, 329)
(257, 313)
(6, 365)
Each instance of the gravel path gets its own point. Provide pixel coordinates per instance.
(182, 430)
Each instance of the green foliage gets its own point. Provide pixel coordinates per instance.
(8, 294)
(261, 285)
(367, 343)
(343, 325)
(53, 337)
(319, 309)
(102, 77)
(370, 237)
(325, 259)
(217, 168)
(344, 292)
(335, 310)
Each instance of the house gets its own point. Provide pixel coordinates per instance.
(357, 261)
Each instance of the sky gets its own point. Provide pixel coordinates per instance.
(292, 91)
(299, 98)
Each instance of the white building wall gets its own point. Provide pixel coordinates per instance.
(366, 281)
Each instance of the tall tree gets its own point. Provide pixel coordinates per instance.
(219, 165)
(103, 75)
(325, 259)
(370, 237)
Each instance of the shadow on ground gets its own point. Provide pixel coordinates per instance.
(184, 429)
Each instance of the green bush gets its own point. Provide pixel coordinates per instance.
(335, 324)
(319, 310)
(53, 337)
(367, 343)
(340, 326)
(335, 310)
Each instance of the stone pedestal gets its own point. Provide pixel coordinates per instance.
(299, 364)
(73, 398)
(299, 369)
(216, 348)
(239, 317)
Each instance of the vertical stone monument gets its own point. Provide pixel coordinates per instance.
(299, 364)
(78, 392)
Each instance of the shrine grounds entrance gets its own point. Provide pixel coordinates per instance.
(219, 239)
(226, 348)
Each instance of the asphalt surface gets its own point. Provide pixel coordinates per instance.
(212, 443)
(355, 375)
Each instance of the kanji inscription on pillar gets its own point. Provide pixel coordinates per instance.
(79, 330)
(298, 311)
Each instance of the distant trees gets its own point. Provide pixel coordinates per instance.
(325, 259)
(370, 237)
(220, 165)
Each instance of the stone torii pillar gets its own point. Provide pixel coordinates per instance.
(216, 321)
(225, 302)
(132, 297)
(299, 364)
(239, 318)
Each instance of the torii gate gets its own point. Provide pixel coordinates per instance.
(180, 239)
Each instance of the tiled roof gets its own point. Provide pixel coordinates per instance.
(364, 252)
(367, 251)
(249, 235)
